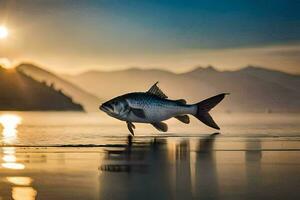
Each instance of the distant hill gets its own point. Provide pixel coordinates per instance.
(87, 100)
(21, 92)
(287, 80)
(252, 88)
(108, 84)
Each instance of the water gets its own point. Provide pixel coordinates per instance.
(56, 155)
(71, 128)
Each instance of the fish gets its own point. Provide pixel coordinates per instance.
(154, 107)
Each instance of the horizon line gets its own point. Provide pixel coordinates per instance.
(152, 68)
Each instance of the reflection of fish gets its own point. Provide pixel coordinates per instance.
(153, 107)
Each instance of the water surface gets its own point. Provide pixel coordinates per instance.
(90, 156)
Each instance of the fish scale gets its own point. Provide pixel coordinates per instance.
(154, 107)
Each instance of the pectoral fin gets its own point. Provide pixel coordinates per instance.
(130, 127)
(138, 112)
(183, 118)
(161, 126)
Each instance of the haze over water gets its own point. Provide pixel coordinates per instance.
(89, 156)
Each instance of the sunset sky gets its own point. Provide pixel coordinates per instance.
(70, 36)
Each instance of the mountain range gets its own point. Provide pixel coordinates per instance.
(252, 88)
(23, 93)
(87, 100)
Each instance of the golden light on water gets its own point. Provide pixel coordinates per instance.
(19, 180)
(3, 32)
(10, 160)
(23, 193)
(22, 189)
(10, 123)
(16, 166)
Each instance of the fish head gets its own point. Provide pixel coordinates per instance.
(116, 107)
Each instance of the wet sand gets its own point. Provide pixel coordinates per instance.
(208, 167)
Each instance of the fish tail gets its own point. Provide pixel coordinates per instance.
(205, 106)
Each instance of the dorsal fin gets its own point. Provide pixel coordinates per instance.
(157, 91)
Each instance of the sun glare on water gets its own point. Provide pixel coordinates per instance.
(3, 32)
(9, 124)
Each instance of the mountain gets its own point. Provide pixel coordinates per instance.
(287, 80)
(88, 101)
(21, 92)
(109, 84)
(252, 88)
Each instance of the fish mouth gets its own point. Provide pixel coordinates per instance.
(105, 108)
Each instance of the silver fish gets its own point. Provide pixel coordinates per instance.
(154, 107)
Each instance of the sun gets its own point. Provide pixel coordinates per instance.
(3, 32)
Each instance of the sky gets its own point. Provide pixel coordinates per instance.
(71, 36)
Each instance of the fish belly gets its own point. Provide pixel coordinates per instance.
(157, 114)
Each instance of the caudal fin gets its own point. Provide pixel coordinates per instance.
(205, 106)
